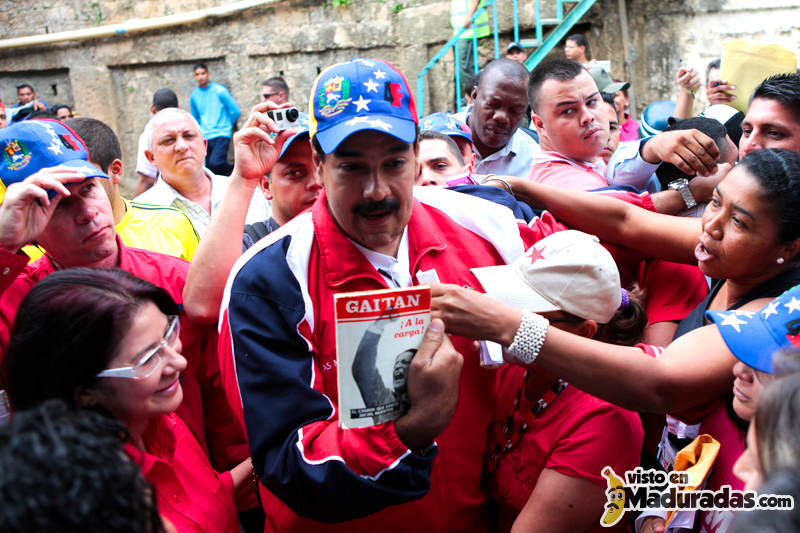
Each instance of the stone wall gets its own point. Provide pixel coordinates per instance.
(113, 78)
(670, 33)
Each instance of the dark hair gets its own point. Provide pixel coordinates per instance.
(200, 65)
(783, 88)
(556, 69)
(580, 40)
(608, 98)
(41, 113)
(322, 154)
(711, 66)
(667, 172)
(25, 86)
(626, 327)
(101, 141)
(777, 171)
(470, 83)
(279, 84)
(68, 328)
(56, 107)
(164, 98)
(451, 144)
(504, 67)
(65, 470)
(777, 419)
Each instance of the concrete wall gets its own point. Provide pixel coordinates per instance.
(113, 78)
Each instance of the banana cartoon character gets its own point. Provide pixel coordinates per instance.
(615, 494)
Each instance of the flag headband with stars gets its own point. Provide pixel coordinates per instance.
(754, 336)
(31, 145)
(567, 271)
(362, 94)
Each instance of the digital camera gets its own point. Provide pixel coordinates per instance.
(285, 118)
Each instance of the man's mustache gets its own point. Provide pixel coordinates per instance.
(369, 208)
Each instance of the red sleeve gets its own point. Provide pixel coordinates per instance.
(641, 199)
(539, 228)
(672, 290)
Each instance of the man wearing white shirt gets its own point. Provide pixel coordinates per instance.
(178, 151)
(499, 105)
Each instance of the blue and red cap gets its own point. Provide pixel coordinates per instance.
(31, 145)
(444, 123)
(362, 94)
(755, 336)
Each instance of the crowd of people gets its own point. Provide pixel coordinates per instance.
(168, 362)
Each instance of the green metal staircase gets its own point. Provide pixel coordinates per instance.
(568, 13)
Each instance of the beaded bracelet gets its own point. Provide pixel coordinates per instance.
(529, 338)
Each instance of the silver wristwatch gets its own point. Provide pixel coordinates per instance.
(682, 186)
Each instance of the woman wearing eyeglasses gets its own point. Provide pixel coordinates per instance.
(108, 341)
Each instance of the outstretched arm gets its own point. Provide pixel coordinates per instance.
(676, 380)
(615, 221)
(255, 153)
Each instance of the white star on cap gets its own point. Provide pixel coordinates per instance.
(732, 320)
(748, 314)
(793, 305)
(367, 62)
(379, 74)
(371, 86)
(770, 309)
(361, 103)
(357, 120)
(381, 124)
(55, 147)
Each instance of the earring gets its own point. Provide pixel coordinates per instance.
(780, 260)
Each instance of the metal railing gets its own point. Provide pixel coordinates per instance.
(562, 24)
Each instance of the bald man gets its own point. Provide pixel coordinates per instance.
(178, 151)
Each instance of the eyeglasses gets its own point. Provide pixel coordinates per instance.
(151, 359)
(267, 96)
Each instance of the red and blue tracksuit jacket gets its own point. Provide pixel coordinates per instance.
(277, 324)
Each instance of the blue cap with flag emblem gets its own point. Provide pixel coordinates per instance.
(31, 145)
(362, 94)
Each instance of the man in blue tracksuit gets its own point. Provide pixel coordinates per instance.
(215, 109)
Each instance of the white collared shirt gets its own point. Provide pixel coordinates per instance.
(395, 270)
(514, 159)
(162, 193)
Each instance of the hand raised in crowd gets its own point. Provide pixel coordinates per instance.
(691, 151)
(26, 207)
(433, 378)
(255, 151)
(471, 314)
(688, 78)
(718, 92)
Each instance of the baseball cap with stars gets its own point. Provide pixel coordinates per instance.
(755, 336)
(31, 145)
(361, 94)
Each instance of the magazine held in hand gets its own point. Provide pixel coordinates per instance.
(377, 334)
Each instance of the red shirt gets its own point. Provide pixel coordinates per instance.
(555, 169)
(576, 435)
(191, 494)
(205, 408)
